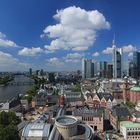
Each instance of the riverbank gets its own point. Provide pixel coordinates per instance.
(8, 92)
(4, 80)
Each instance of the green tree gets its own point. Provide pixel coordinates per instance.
(8, 128)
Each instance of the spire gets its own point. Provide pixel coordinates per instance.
(113, 41)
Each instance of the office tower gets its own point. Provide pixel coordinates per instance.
(103, 69)
(87, 68)
(136, 62)
(131, 70)
(110, 71)
(30, 71)
(96, 68)
(37, 72)
(117, 61)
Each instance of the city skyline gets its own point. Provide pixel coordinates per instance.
(56, 37)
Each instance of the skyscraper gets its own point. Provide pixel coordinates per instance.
(103, 69)
(117, 61)
(110, 71)
(30, 71)
(136, 62)
(87, 68)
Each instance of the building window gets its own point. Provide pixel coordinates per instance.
(128, 133)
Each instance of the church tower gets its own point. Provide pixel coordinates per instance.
(125, 90)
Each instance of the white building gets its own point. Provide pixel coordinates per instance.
(130, 130)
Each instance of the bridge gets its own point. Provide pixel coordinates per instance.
(21, 83)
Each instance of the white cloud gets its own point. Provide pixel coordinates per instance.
(55, 61)
(74, 55)
(128, 48)
(95, 54)
(8, 62)
(108, 50)
(4, 42)
(30, 51)
(76, 30)
(72, 60)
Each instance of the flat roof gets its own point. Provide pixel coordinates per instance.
(129, 124)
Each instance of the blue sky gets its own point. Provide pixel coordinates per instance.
(56, 35)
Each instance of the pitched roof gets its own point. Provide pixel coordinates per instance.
(107, 96)
(88, 111)
(120, 111)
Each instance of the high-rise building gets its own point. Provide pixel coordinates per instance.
(30, 71)
(103, 69)
(87, 68)
(136, 63)
(110, 71)
(117, 61)
(96, 68)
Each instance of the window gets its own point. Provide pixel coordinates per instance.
(128, 133)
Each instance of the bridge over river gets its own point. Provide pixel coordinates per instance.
(21, 83)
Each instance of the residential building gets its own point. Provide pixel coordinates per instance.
(101, 100)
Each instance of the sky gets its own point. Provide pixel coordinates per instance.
(56, 34)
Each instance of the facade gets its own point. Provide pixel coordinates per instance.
(135, 94)
(136, 62)
(103, 69)
(117, 61)
(118, 114)
(101, 100)
(87, 68)
(91, 116)
(130, 130)
(126, 91)
(110, 71)
(25, 104)
(40, 99)
(13, 105)
(67, 126)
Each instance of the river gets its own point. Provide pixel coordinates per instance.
(10, 91)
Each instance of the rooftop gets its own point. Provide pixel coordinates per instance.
(36, 129)
(120, 111)
(135, 88)
(88, 111)
(129, 124)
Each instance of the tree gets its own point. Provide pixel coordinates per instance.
(8, 128)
